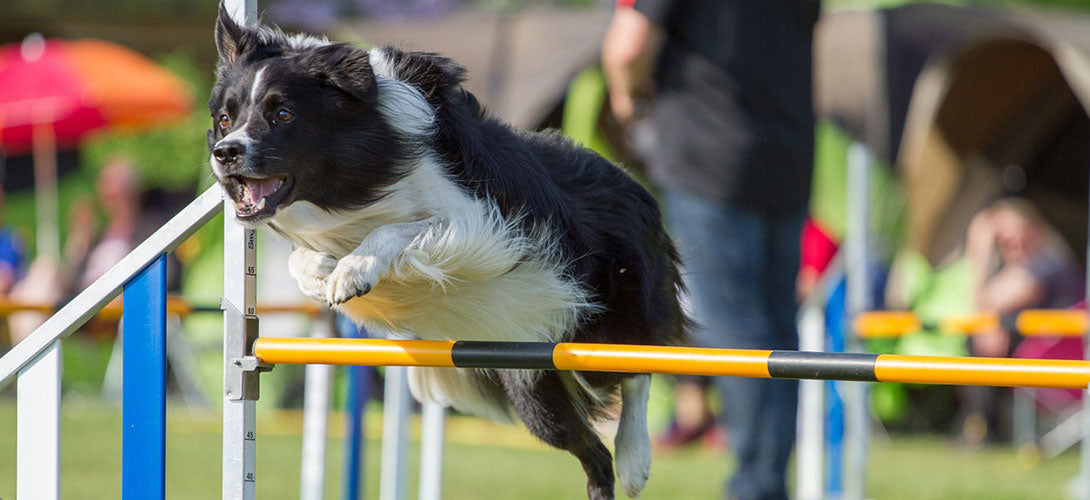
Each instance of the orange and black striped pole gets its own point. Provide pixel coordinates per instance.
(678, 360)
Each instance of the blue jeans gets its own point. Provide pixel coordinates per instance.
(740, 268)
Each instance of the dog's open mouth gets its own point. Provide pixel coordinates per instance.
(256, 197)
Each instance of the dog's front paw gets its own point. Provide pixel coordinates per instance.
(354, 276)
(311, 270)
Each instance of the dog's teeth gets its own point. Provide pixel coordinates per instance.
(260, 205)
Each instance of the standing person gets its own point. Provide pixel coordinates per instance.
(733, 128)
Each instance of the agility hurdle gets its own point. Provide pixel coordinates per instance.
(1065, 374)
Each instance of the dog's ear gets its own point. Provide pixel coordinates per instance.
(229, 36)
(436, 76)
(346, 67)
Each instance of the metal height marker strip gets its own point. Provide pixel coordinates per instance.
(239, 408)
(143, 403)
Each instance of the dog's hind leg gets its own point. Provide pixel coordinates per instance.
(633, 443)
(546, 408)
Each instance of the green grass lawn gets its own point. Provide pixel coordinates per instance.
(485, 460)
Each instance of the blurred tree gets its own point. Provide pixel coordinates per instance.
(173, 158)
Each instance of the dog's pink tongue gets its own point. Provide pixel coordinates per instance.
(256, 189)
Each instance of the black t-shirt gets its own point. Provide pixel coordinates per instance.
(733, 111)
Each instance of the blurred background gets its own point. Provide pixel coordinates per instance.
(960, 102)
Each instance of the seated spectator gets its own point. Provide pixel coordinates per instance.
(89, 253)
(1018, 262)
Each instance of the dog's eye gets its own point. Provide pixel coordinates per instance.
(225, 121)
(284, 115)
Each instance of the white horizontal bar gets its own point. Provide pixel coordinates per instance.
(104, 289)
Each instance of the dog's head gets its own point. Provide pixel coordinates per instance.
(295, 118)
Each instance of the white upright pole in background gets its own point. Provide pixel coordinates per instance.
(46, 198)
(858, 300)
(809, 446)
(395, 413)
(316, 388)
(432, 421)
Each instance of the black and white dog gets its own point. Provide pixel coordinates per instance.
(416, 214)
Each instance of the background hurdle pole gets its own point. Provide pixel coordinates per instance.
(433, 418)
(316, 387)
(144, 378)
(358, 389)
(809, 445)
(394, 414)
(856, 416)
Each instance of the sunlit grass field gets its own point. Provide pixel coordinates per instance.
(491, 461)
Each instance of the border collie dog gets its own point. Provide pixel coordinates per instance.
(417, 215)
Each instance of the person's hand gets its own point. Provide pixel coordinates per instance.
(992, 344)
(623, 106)
(981, 231)
(631, 43)
(81, 228)
(979, 248)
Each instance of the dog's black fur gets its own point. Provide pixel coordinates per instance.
(340, 153)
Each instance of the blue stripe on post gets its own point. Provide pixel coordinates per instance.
(144, 384)
(358, 389)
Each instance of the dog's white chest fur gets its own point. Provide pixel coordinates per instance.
(457, 269)
(440, 265)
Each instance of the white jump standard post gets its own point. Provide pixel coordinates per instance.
(39, 427)
(240, 369)
(239, 303)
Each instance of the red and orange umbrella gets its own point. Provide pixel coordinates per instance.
(79, 86)
(57, 91)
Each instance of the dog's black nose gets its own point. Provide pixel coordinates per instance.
(227, 152)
